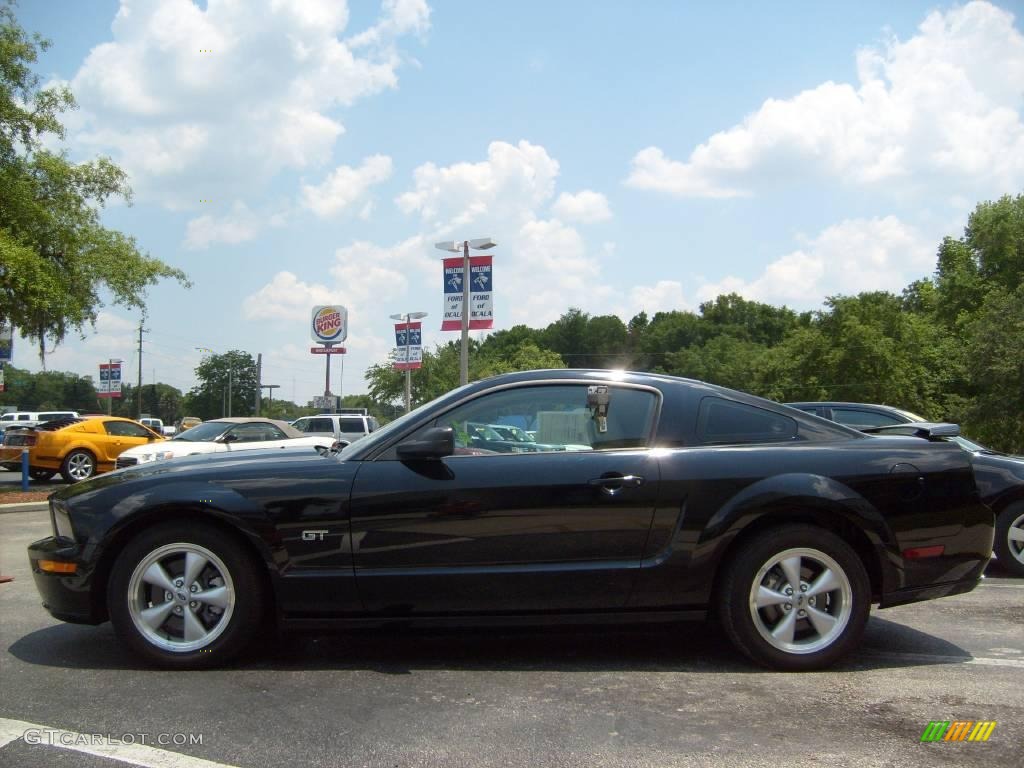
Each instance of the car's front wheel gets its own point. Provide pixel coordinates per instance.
(185, 595)
(77, 466)
(795, 598)
(1009, 542)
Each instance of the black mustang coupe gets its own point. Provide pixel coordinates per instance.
(647, 498)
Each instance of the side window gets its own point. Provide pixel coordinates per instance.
(126, 429)
(52, 416)
(550, 418)
(726, 421)
(854, 417)
(251, 433)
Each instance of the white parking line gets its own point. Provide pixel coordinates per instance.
(1001, 586)
(133, 754)
(927, 658)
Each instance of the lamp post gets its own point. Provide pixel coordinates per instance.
(225, 396)
(110, 383)
(479, 244)
(407, 317)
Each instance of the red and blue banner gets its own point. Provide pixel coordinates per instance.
(481, 293)
(408, 346)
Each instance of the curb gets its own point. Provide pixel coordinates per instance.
(25, 506)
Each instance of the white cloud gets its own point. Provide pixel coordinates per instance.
(114, 337)
(509, 186)
(365, 276)
(880, 254)
(197, 103)
(947, 101)
(400, 17)
(543, 263)
(288, 298)
(239, 226)
(585, 206)
(346, 186)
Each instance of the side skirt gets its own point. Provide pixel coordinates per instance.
(489, 620)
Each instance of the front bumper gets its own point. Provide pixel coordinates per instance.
(67, 597)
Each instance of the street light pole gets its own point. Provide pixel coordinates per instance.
(464, 349)
(480, 244)
(408, 317)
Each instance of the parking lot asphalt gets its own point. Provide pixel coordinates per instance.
(73, 695)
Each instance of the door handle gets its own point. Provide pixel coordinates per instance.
(612, 484)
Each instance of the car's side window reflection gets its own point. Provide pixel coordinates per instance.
(553, 418)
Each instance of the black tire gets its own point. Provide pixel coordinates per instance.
(221, 629)
(822, 626)
(41, 475)
(1010, 553)
(77, 466)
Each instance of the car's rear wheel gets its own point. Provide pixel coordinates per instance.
(1009, 542)
(185, 596)
(795, 598)
(77, 466)
(41, 475)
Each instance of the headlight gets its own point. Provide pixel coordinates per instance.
(161, 455)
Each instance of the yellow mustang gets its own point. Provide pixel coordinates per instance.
(78, 448)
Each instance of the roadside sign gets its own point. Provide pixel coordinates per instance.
(327, 402)
(327, 350)
(329, 324)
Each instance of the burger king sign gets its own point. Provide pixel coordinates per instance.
(330, 324)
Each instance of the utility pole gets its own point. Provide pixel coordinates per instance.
(138, 392)
(259, 381)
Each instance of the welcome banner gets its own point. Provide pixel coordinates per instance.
(408, 346)
(481, 293)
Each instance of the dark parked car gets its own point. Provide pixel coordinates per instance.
(688, 498)
(1000, 476)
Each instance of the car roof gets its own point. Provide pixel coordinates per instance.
(284, 426)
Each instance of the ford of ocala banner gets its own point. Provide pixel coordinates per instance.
(481, 297)
(408, 346)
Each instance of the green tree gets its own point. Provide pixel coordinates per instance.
(48, 390)
(55, 256)
(995, 413)
(229, 376)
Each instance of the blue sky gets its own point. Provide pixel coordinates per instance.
(625, 157)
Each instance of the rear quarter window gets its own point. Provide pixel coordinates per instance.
(721, 421)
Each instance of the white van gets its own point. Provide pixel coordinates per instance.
(37, 416)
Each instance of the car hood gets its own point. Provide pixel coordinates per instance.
(209, 468)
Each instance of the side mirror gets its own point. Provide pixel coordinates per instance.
(228, 438)
(435, 443)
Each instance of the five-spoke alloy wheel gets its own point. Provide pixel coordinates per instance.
(185, 595)
(1009, 542)
(795, 598)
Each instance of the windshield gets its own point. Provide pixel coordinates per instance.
(205, 432)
